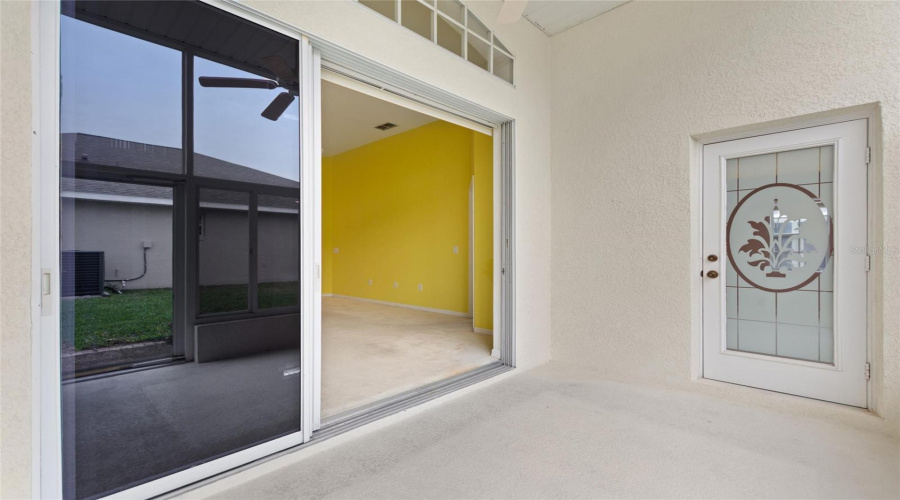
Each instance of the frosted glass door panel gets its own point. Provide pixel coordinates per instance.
(779, 275)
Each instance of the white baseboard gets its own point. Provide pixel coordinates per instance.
(483, 330)
(407, 306)
(327, 295)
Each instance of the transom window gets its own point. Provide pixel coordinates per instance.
(451, 25)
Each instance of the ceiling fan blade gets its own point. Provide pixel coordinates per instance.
(278, 105)
(511, 11)
(280, 67)
(237, 83)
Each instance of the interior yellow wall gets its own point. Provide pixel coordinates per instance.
(395, 209)
(327, 252)
(483, 165)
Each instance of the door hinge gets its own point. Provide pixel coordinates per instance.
(868, 155)
(868, 262)
(868, 371)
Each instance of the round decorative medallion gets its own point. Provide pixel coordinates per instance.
(779, 237)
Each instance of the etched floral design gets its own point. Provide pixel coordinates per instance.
(777, 242)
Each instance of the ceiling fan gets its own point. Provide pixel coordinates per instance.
(285, 77)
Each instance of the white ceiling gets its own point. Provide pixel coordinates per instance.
(556, 16)
(349, 119)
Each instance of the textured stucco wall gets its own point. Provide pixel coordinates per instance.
(628, 91)
(15, 249)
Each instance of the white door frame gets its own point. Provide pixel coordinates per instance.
(870, 112)
(843, 381)
(46, 415)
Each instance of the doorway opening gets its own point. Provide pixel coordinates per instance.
(407, 249)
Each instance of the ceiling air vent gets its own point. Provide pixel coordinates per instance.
(386, 126)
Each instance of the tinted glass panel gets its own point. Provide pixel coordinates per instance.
(116, 270)
(278, 226)
(223, 230)
(120, 100)
(147, 391)
(232, 140)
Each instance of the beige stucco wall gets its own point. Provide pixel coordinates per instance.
(629, 90)
(15, 250)
(358, 29)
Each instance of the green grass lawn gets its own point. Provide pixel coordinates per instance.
(133, 316)
(225, 298)
(146, 315)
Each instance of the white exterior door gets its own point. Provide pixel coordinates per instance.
(784, 269)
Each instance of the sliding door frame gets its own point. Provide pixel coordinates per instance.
(314, 54)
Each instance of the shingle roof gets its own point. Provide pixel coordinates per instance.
(107, 151)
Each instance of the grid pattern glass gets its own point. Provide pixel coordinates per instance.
(451, 25)
(781, 306)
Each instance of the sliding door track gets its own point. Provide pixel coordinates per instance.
(349, 420)
(352, 419)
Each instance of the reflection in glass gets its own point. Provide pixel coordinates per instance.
(120, 101)
(232, 139)
(146, 388)
(278, 225)
(223, 231)
(116, 273)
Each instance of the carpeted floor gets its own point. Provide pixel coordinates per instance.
(372, 351)
(136, 425)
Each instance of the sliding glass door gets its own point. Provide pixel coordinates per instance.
(180, 243)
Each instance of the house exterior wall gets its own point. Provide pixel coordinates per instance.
(354, 27)
(119, 230)
(629, 90)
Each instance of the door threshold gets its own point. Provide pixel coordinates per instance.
(356, 417)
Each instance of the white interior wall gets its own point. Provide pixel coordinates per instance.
(629, 89)
(345, 23)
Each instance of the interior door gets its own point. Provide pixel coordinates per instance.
(784, 270)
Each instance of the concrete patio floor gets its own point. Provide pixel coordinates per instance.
(555, 432)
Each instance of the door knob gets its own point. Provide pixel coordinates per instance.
(712, 274)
